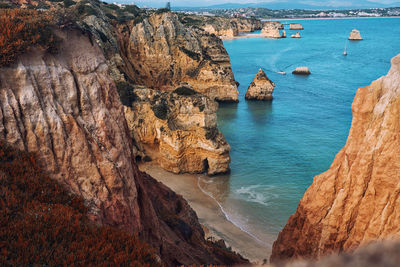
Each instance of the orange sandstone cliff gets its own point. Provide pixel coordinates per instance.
(357, 200)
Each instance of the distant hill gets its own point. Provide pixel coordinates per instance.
(292, 4)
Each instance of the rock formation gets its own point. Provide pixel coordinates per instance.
(356, 201)
(283, 34)
(179, 130)
(160, 52)
(355, 35)
(302, 71)
(66, 109)
(297, 35)
(295, 26)
(271, 30)
(261, 88)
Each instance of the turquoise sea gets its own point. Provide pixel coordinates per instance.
(278, 147)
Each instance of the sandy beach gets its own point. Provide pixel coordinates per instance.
(209, 213)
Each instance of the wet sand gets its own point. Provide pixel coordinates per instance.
(209, 213)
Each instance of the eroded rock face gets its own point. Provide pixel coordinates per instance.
(271, 30)
(179, 130)
(261, 88)
(161, 53)
(355, 35)
(66, 108)
(356, 201)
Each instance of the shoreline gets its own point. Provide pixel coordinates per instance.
(210, 213)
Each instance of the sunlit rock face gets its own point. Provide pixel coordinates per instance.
(178, 130)
(161, 53)
(356, 201)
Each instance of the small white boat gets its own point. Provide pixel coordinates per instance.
(345, 49)
(281, 72)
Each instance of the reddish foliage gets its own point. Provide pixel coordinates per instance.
(22, 29)
(42, 224)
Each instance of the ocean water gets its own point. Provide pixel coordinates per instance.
(278, 147)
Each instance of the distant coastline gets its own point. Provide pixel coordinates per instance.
(291, 19)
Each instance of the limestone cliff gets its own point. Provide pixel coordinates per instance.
(66, 109)
(161, 53)
(179, 130)
(357, 199)
(261, 88)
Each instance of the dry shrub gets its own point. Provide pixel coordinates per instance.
(42, 224)
(22, 29)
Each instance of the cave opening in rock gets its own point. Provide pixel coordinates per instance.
(205, 165)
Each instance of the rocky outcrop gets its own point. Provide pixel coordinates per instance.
(302, 71)
(179, 130)
(283, 34)
(297, 35)
(295, 26)
(356, 201)
(261, 88)
(66, 109)
(355, 35)
(160, 52)
(271, 30)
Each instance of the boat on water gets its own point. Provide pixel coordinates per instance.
(345, 49)
(281, 72)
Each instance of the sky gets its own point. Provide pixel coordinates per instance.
(200, 3)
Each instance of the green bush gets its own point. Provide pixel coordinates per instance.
(191, 54)
(68, 3)
(160, 110)
(126, 93)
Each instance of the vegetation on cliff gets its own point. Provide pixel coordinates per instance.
(23, 29)
(41, 223)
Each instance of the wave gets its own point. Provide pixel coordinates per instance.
(257, 194)
(228, 216)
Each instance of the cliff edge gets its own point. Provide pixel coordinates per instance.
(65, 108)
(356, 201)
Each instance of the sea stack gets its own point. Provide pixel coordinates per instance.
(297, 35)
(261, 88)
(283, 34)
(296, 26)
(355, 35)
(357, 200)
(271, 30)
(302, 71)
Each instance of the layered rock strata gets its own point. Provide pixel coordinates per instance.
(178, 130)
(261, 88)
(356, 201)
(160, 52)
(66, 109)
(355, 35)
